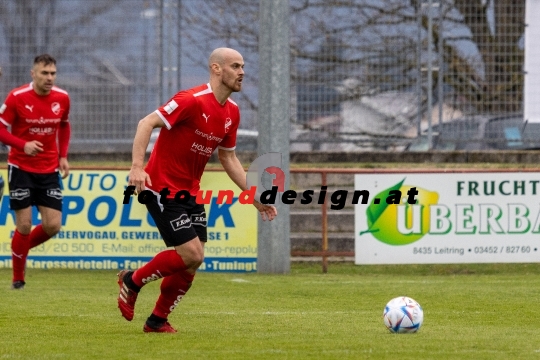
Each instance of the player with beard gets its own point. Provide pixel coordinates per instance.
(194, 123)
(39, 139)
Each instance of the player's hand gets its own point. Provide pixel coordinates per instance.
(33, 147)
(64, 167)
(268, 212)
(138, 177)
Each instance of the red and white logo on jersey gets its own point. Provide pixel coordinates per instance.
(170, 107)
(228, 123)
(55, 107)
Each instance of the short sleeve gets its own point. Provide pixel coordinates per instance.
(180, 108)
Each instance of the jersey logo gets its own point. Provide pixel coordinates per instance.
(55, 107)
(169, 108)
(205, 117)
(228, 123)
(29, 107)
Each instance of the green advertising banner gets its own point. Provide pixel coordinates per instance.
(448, 218)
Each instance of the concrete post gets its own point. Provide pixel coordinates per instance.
(274, 244)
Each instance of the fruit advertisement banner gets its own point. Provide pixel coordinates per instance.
(414, 218)
(100, 232)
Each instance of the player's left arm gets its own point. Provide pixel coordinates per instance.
(236, 172)
(64, 134)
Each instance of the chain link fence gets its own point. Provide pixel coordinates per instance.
(388, 75)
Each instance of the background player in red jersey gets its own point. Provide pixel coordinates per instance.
(38, 116)
(194, 123)
(2, 184)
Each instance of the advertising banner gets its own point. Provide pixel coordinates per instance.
(100, 232)
(447, 218)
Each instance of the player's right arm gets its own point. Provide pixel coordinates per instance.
(137, 175)
(8, 114)
(29, 147)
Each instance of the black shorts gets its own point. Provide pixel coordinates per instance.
(179, 223)
(27, 189)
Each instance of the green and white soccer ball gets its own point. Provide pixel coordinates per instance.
(403, 315)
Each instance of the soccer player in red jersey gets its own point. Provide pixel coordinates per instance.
(1, 177)
(39, 139)
(194, 123)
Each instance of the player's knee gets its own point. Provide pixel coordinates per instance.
(24, 228)
(198, 262)
(52, 229)
(192, 259)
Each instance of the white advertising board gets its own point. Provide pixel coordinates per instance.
(457, 218)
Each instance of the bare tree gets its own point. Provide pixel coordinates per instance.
(211, 24)
(106, 53)
(60, 28)
(496, 86)
(376, 43)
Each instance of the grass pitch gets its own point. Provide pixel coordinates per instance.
(471, 312)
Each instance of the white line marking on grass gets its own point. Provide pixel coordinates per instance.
(210, 313)
(240, 280)
(307, 312)
(197, 313)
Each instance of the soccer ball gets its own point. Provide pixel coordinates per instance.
(403, 315)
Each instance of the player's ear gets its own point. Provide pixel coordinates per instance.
(216, 68)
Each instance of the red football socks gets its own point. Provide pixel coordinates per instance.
(165, 263)
(38, 236)
(20, 245)
(173, 288)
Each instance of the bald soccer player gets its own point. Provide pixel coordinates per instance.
(193, 124)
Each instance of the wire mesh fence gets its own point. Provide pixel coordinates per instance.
(365, 75)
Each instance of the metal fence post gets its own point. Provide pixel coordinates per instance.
(274, 244)
(324, 227)
(430, 75)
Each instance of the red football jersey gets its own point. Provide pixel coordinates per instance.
(35, 117)
(195, 125)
